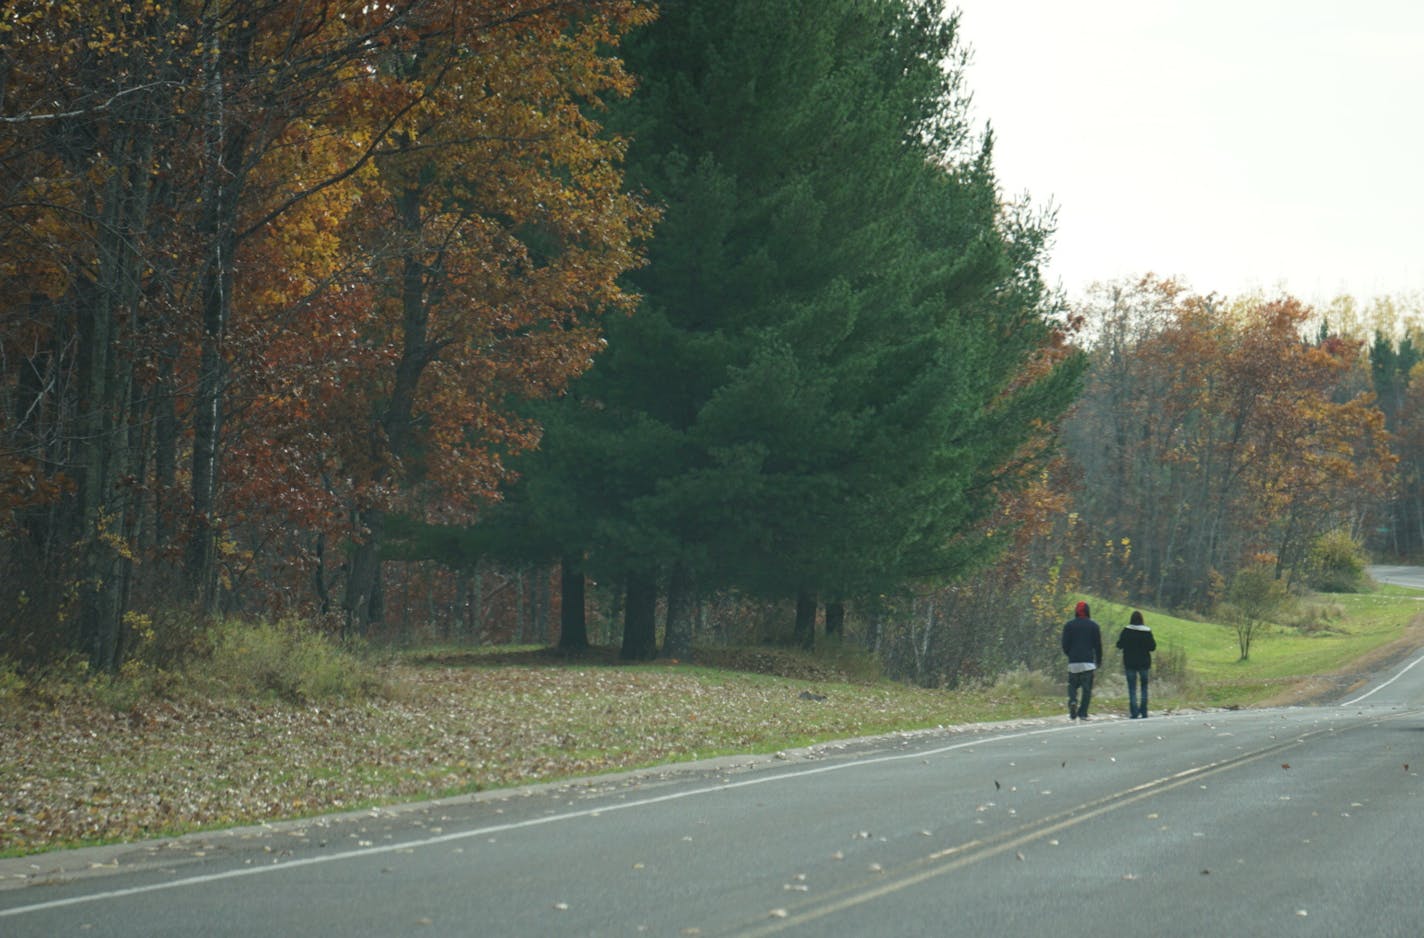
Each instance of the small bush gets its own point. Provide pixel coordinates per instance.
(1022, 682)
(288, 659)
(168, 638)
(1170, 663)
(64, 679)
(119, 692)
(1315, 618)
(856, 663)
(12, 683)
(1337, 564)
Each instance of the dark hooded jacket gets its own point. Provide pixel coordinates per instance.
(1083, 639)
(1137, 646)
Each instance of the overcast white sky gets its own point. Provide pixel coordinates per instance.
(1237, 144)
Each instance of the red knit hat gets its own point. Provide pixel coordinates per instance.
(1082, 610)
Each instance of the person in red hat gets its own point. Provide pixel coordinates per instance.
(1083, 644)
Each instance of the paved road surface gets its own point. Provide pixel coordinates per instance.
(1412, 577)
(1305, 821)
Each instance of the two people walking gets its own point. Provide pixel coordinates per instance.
(1083, 644)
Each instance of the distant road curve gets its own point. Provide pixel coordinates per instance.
(1412, 577)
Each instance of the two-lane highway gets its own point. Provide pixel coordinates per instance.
(1304, 821)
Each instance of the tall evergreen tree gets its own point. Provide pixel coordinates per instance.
(817, 394)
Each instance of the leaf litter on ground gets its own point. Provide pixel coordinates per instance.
(75, 773)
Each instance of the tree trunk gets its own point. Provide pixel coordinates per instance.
(573, 624)
(539, 595)
(477, 608)
(165, 443)
(323, 595)
(224, 159)
(106, 395)
(874, 631)
(640, 628)
(835, 619)
(362, 603)
(391, 437)
(677, 637)
(805, 635)
(521, 602)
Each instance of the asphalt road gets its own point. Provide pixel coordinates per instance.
(1412, 577)
(1302, 821)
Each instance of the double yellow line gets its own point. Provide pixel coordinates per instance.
(945, 861)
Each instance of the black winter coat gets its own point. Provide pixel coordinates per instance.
(1083, 641)
(1137, 646)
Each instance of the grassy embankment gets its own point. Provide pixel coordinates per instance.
(1340, 638)
(77, 769)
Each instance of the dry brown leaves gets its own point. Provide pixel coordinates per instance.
(83, 774)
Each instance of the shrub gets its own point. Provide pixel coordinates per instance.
(1315, 617)
(858, 664)
(1170, 663)
(1025, 683)
(12, 683)
(288, 659)
(1336, 564)
(167, 638)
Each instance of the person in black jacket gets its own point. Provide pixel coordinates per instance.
(1137, 646)
(1083, 644)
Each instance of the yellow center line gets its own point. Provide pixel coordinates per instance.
(957, 857)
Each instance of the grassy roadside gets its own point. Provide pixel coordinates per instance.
(1341, 638)
(74, 771)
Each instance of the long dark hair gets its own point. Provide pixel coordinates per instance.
(1136, 618)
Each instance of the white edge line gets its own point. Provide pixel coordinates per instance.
(1381, 687)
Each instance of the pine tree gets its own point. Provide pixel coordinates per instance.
(816, 396)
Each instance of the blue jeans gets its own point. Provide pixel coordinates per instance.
(1079, 680)
(1133, 676)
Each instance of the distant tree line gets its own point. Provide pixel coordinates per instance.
(1216, 436)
